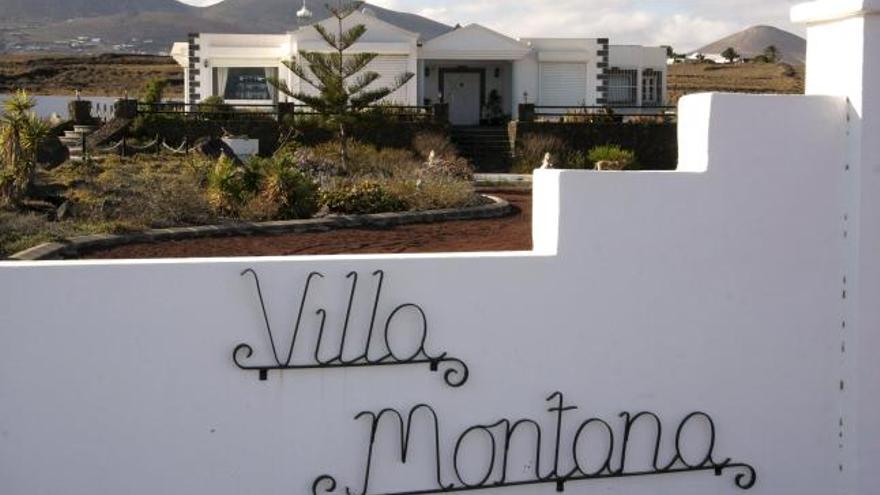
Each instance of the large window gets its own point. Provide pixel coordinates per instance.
(245, 84)
(652, 87)
(623, 86)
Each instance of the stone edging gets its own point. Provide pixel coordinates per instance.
(75, 247)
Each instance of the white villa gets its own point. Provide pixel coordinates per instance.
(463, 68)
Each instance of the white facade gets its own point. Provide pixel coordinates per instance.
(470, 68)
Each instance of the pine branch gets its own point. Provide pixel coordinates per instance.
(300, 71)
(342, 11)
(362, 82)
(356, 63)
(328, 37)
(280, 86)
(324, 66)
(350, 37)
(367, 98)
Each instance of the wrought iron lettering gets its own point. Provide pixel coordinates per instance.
(499, 435)
(382, 354)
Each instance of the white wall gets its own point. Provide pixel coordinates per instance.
(844, 41)
(670, 292)
(720, 287)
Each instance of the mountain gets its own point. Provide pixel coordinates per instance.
(59, 10)
(752, 42)
(271, 16)
(153, 25)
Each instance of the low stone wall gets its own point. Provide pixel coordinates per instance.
(75, 247)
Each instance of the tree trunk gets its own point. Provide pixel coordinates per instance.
(343, 147)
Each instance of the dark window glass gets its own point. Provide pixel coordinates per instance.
(246, 84)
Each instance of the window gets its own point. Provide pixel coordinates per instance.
(245, 83)
(622, 86)
(652, 87)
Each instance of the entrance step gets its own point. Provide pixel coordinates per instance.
(488, 148)
(73, 141)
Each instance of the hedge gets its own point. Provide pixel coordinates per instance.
(655, 145)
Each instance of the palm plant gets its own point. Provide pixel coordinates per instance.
(341, 80)
(21, 133)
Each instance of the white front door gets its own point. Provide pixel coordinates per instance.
(461, 90)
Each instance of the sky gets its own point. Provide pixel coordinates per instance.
(684, 24)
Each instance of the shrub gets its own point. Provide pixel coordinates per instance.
(137, 190)
(575, 160)
(451, 167)
(226, 186)
(290, 191)
(531, 149)
(21, 133)
(611, 157)
(434, 193)
(306, 160)
(154, 90)
(426, 142)
(361, 197)
(215, 104)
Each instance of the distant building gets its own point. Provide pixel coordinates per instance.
(462, 68)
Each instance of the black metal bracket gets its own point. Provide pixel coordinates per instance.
(455, 375)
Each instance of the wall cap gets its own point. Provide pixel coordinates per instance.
(833, 10)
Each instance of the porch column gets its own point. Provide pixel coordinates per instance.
(843, 59)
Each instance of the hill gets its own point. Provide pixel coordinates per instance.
(752, 42)
(153, 25)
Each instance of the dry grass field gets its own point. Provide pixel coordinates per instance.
(737, 78)
(100, 75)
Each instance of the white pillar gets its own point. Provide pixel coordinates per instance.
(843, 59)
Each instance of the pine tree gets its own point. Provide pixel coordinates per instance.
(340, 79)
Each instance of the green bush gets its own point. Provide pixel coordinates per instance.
(286, 189)
(154, 90)
(215, 104)
(361, 197)
(226, 186)
(611, 157)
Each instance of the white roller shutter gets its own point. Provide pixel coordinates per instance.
(563, 84)
(390, 67)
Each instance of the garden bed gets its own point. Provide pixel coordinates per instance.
(510, 233)
(79, 247)
(110, 199)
